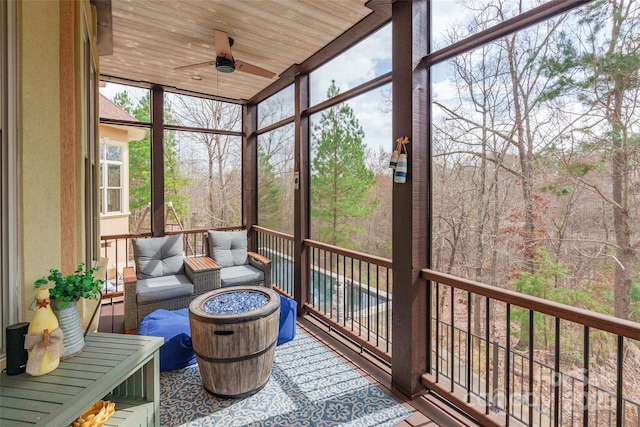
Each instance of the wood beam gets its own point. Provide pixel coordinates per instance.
(157, 161)
(529, 18)
(301, 192)
(105, 26)
(411, 199)
(250, 171)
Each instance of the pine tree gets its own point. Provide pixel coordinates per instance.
(270, 193)
(341, 184)
(140, 165)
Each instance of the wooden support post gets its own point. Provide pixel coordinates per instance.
(157, 161)
(250, 173)
(411, 238)
(301, 198)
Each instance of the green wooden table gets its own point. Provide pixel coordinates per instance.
(121, 368)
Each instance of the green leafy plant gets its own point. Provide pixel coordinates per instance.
(79, 284)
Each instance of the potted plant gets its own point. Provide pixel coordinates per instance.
(65, 293)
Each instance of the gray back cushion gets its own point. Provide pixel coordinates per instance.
(228, 248)
(158, 256)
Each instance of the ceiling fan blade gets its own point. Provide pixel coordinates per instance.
(221, 41)
(198, 65)
(253, 69)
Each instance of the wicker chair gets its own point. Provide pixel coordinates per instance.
(238, 267)
(163, 278)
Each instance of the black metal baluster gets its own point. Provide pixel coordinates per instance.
(368, 301)
(487, 385)
(316, 278)
(585, 392)
(287, 266)
(344, 290)
(359, 298)
(452, 342)
(388, 312)
(521, 358)
(507, 367)
(468, 352)
(530, 398)
(377, 305)
(438, 351)
(283, 276)
(557, 377)
(351, 300)
(117, 284)
(619, 385)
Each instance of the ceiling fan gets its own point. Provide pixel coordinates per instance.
(224, 62)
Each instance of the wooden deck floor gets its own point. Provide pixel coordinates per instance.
(427, 411)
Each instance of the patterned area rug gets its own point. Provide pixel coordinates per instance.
(309, 386)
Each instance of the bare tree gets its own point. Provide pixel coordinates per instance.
(596, 74)
(221, 154)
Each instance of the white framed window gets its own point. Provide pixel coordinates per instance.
(111, 177)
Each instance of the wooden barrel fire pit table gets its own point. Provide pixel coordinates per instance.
(234, 333)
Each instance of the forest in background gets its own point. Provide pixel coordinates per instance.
(536, 167)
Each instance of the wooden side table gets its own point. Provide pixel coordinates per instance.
(203, 272)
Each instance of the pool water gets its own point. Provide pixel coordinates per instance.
(324, 286)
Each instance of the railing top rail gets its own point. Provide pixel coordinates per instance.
(189, 231)
(591, 319)
(124, 236)
(383, 262)
(204, 230)
(273, 233)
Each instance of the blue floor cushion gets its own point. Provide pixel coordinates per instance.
(173, 326)
(287, 330)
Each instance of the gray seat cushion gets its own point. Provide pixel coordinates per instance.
(158, 256)
(240, 275)
(228, 248)
(163, 288)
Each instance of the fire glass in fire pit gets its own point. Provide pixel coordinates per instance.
(235, 303)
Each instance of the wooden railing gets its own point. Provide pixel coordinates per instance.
(349, 291)
(278, 247)
(353, 292)
(508, 358)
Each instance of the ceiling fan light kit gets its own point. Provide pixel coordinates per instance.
(225, 65)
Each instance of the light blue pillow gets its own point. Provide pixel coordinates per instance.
(228, 248)
(158, 256)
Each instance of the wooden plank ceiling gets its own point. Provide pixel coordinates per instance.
(153, 37)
